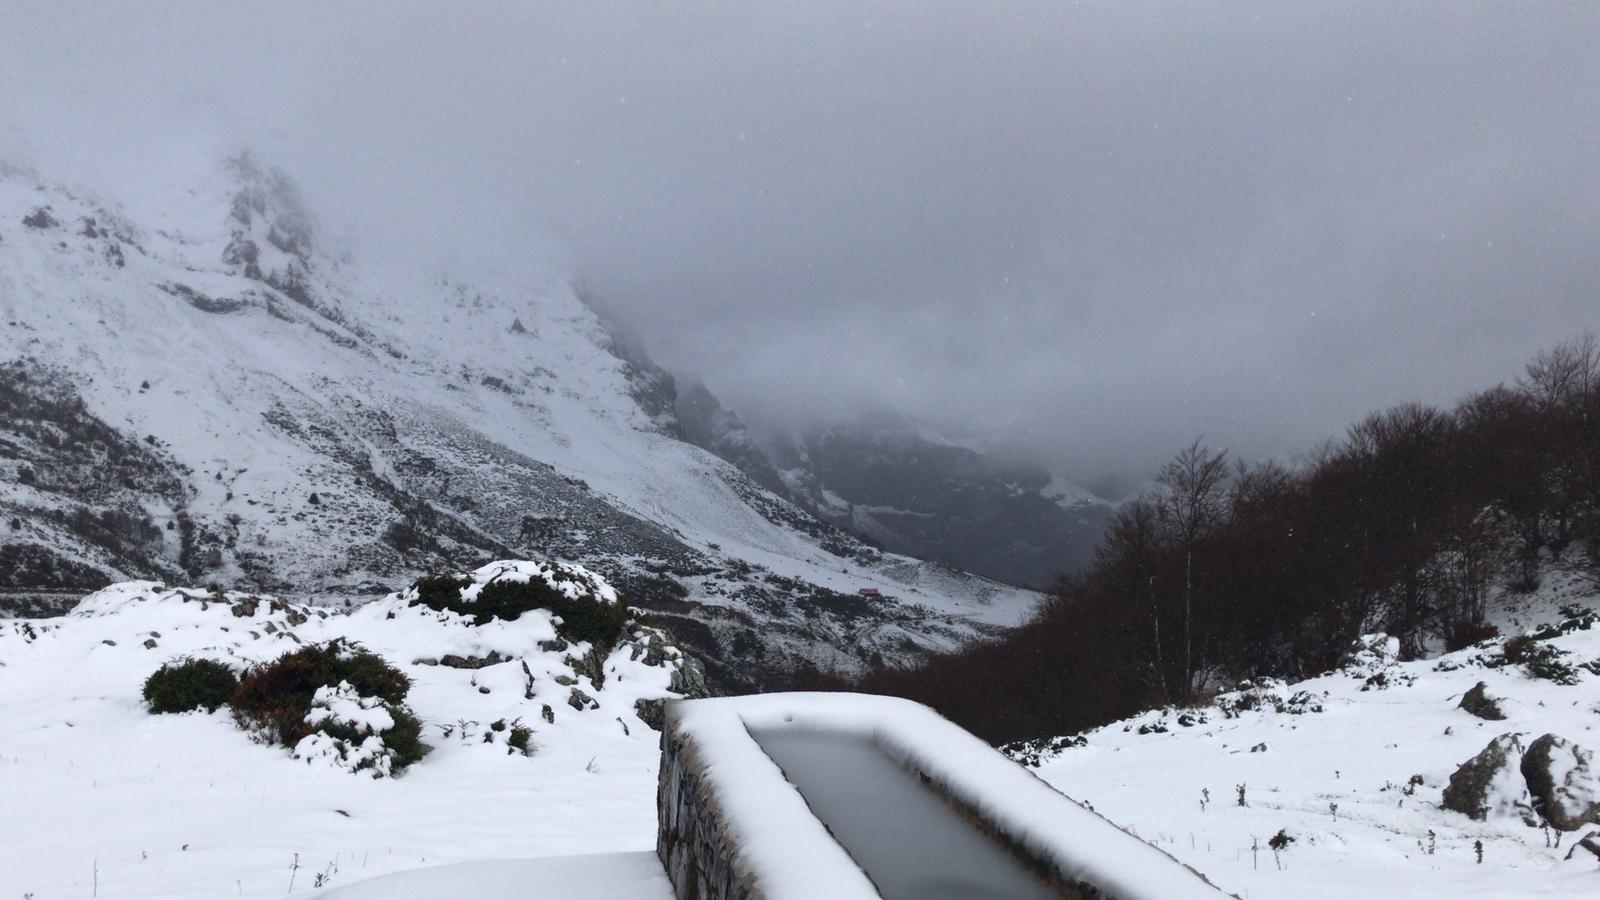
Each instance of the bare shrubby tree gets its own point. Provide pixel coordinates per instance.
(1567, 374)
(1406, 525)
(1192, 504)
(1128, 556)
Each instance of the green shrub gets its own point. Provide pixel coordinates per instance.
(186, 684)
(403, 740)
(519, 737)
(586, 618)
(442, 592)
(1538, 660)
(276, 696)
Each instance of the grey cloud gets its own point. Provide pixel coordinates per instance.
(1090, 231)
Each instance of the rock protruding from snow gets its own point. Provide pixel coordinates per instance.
(1490, 784)
(1564, 783)
(1480, 703)
(1589, 843)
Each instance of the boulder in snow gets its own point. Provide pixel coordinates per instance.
(1564, 783)
(1589, 843)
(1490, 784)
(1482, 704)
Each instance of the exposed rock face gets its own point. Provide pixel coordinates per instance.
(706, 423)
(688, 678)
(1564, 782)
(1490, 784)
(1478, 702)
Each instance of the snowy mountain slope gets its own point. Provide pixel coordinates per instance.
(916, 491)
(188, 805)
(283, 417)
(1331, 761)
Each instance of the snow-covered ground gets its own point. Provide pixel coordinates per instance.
(597, 876)
(1338, 780)
(100, 795)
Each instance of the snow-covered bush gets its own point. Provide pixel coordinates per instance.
(333, 701)
(186, 684)
(1267, 694)
(586, 608)
(360, 733)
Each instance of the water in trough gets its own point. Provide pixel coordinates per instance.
(910, 841)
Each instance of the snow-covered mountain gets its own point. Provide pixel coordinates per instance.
(208, 393)
(913, 490)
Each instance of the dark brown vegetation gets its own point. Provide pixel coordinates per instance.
(1233, 570)
(276, 696)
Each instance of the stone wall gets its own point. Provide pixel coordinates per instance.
(698, 856)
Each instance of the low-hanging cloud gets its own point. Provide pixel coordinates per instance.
(1089, 232)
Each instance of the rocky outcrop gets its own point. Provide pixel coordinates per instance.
(688, 678)
(1480, 703)
(1564, 782)
(1491, 783)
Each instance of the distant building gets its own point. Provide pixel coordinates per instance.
(869, 592)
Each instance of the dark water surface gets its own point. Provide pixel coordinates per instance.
(911, 842)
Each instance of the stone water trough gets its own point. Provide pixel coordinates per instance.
(844, 796)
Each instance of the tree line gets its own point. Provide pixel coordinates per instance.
(1229, 569)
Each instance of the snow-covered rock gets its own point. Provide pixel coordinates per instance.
(1490, 784)
(1564, 782)
(1480, 703)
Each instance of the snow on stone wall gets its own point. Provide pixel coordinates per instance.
(734, 825)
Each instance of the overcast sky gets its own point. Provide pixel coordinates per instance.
(1088, 231)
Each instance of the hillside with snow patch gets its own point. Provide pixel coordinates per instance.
(1352, 767)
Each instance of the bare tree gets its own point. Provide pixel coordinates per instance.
(1567, 374)
(1192, 504)
(1128, 556)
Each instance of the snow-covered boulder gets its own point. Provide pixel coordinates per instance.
(1564, 782)
(1490, 784)
(1482, 704)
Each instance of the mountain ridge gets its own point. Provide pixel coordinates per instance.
(298, 421)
